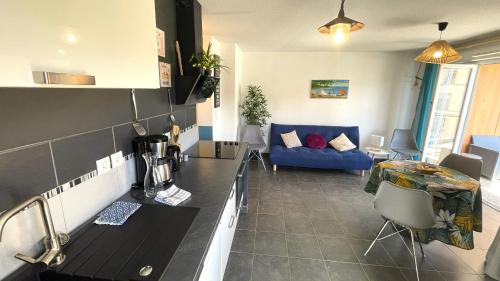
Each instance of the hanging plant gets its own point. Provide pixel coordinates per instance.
(206, 60)
(254, 107)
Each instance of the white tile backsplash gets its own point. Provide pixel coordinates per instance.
(85, 200)
(70, 209)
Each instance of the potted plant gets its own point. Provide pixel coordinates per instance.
(206, 61)
(254, 107)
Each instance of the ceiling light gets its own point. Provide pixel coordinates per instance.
(340, 27)
(439, 51)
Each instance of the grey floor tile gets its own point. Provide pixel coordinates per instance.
(298, 225)
(450, 276)
(270, 243)
(400, 254)
(271, 207)
(339, 271)
(270, 223)
(337, 249)
(376, 256)
(247, 221)
(383, 273)
(270, 195)
(253, 193)
(308, 270)
(327, 227)
(270, 268)
(425, 275)
(239, 267)
(443, 259)
(243, 241)
(303, 246)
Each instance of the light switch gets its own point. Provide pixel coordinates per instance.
(117, 159)
(103, 165)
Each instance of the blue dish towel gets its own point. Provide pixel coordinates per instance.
(117, 213)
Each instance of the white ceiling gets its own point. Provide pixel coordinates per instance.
(391, 25)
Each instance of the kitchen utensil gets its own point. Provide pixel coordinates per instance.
(171, 115)
(139, 129)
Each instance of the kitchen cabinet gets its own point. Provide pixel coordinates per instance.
(215, 262)
(112, 40)
(211, 266)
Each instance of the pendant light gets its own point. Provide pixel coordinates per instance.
(439, 51)
(340, 27)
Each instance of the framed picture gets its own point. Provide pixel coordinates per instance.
(165, 79)
(160, 41)
(329, 89)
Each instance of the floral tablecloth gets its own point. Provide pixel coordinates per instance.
(457, 199)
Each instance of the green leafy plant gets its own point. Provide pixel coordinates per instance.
(206, 60)
(254, 107)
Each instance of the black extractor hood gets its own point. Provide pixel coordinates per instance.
(191, 86)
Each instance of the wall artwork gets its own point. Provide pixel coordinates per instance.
(329, 89)
(160, 41)
(165, 79)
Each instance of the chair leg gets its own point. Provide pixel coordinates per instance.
(414, 254)
(376, 238)
(362, 173)
(275, 168)
(395, 155)
(262, 160)
(420, 244)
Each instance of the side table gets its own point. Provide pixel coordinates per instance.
(377, 153)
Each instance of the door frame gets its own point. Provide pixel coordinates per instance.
(465, 107)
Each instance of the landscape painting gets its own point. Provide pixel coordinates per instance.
(334, 89)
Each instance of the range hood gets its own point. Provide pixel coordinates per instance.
(191, 86)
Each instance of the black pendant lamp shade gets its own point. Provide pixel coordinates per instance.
(341, 18)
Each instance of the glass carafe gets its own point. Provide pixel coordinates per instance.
(151, 180)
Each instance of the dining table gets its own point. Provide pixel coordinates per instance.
(456, 198)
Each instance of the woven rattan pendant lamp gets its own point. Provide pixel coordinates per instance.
(439, 51)
(340, 27)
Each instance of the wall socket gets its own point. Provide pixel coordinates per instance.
(117, 159)
(103, 165)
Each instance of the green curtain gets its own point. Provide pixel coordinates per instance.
(424, 104)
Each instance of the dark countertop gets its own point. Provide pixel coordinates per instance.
(210, 182)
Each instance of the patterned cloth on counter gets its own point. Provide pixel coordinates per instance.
(172, 196)
(117, 213)
(457, 199)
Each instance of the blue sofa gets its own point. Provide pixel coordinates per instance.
(327, 158)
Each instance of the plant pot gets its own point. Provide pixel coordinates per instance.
(207, 72)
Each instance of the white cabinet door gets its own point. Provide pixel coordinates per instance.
(228, 225)
(113, 40)
(211, 265)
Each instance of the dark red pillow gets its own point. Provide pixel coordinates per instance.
(316, 141)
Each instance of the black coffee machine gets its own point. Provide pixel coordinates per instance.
(167, 162)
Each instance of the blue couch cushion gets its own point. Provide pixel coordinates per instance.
(327, 158)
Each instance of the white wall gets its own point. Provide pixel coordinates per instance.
(382, 95)
(226, 117)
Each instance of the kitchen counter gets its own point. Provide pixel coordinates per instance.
(210, 182)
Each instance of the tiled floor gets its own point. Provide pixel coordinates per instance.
(315, 225)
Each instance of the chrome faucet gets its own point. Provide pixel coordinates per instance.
(53, 255)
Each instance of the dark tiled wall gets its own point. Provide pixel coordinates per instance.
(51, 136)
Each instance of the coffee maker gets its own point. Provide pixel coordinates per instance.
(166, 163)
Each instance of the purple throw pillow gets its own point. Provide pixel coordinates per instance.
(316, 141)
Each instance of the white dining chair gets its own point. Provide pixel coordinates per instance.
(253, 136)
(409, 208)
